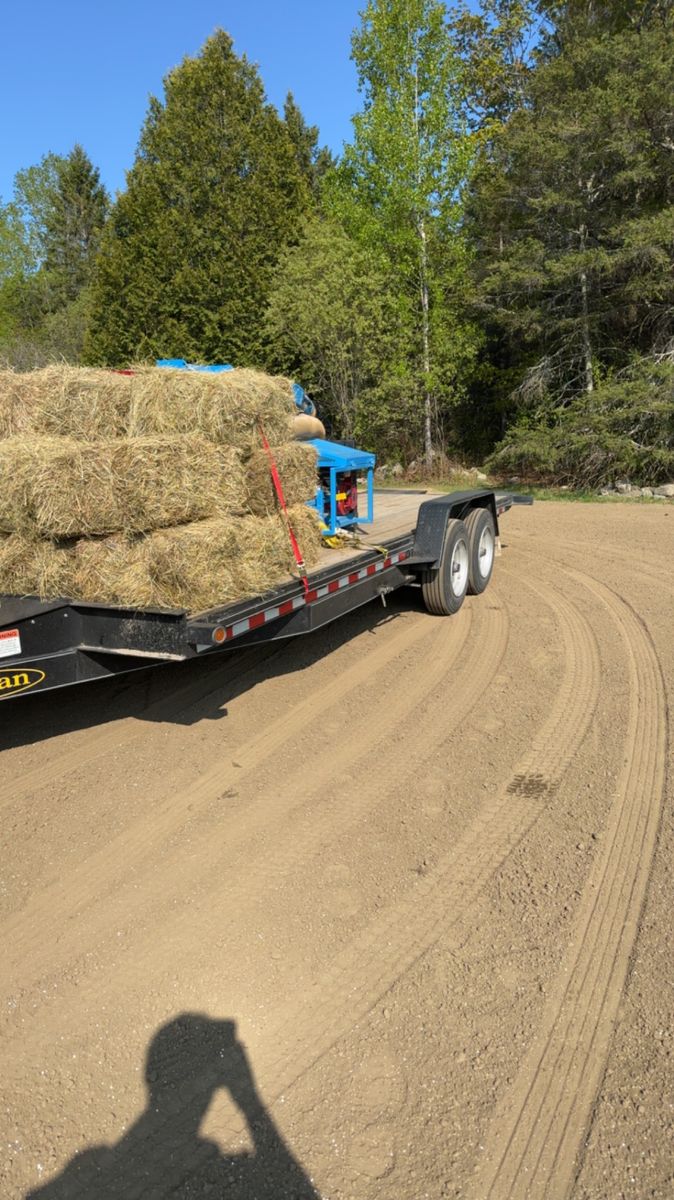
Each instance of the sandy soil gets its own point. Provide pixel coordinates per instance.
(382, 914)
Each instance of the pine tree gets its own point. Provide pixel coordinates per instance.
(574, 198)
(314, 161)
(73, 223)
(215, 194)
(573, 216)
(496, 44)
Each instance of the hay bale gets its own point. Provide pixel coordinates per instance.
(58, 488)
(86, 403)
(225, 407)
(34, 568)
(298, 472)
(18, 567)
(195, 566)
(7, 404)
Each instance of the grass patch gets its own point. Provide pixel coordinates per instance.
(462, 481)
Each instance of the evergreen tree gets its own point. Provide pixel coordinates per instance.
(73, 223)
(48, 243)
(314, 161)
(573, 212)
(215, 194)
(497, 45)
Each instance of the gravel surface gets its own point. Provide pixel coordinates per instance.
(384, 914)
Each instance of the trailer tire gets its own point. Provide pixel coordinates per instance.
(482, 545)
(444, 587)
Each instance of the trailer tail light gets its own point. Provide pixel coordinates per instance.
(219, 635)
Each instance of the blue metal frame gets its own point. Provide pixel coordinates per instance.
(338, 459)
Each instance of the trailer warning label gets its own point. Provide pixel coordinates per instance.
(10, 642)
(12, 682)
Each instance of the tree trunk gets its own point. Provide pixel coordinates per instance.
(585, 320)
(424, 297)
(426, 350)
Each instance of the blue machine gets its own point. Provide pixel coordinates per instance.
(337, 498)
(339, 467)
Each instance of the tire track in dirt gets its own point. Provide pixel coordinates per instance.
(440, 904)
(537, 1133)
(286, 850)
(647, 569)
(107, 879)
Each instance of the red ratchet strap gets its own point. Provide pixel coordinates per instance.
(278, 487)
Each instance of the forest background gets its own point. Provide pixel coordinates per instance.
(484, 273)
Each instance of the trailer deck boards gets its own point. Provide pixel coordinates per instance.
(396, 514)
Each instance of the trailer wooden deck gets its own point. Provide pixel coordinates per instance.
(395, 514)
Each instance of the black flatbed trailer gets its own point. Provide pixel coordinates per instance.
(53, 644)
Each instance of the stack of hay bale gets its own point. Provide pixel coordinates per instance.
(149, 489)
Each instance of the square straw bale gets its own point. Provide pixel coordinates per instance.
(225, 407)
(35, 568)
(56, 487)
(86, 403)
(296, 465)
(193, 567)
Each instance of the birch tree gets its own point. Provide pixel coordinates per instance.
(402, 178)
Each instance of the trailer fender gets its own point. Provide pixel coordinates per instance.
(434, 516)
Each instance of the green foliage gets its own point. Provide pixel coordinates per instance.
(72, 224)
(572, 220)
(333, 322)
(215, 194)
(397, 192)
(35, 190)
(313, 161)
(627, 431)
(496, 45)
(48, 243)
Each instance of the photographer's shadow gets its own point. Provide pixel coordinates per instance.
(164, 1155)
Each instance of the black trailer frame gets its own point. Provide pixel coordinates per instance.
(61, 642)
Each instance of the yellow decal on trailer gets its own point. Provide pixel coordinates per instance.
(12, 682)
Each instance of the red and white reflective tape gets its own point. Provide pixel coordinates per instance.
(228, 632)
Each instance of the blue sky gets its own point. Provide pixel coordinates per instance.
(82, 70)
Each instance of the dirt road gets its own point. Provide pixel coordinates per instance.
(424, 864)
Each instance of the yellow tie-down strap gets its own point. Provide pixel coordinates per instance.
(344, 538)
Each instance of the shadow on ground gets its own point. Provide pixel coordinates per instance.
(185, 693)
(164, 1155)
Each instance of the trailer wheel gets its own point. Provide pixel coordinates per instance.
(444, 587)
(482, 545)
